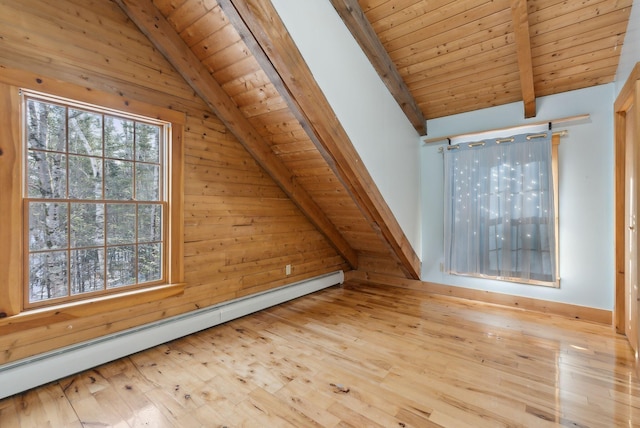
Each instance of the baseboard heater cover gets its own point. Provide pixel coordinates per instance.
(40, 369)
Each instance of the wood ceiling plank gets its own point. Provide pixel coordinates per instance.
(378, 9)
(573, 52)
(407, 14)
(186, 14)
(549, 83)
(547, 21)
(576, 11)
(286, 123)
(245, 67)
(473, 75)
(261, 110)
(537, 5)
(228, 57)
(354, 19)
(205, 25)
(152, 23)
(257, 96)
(326, 131)
(469, 55)
(246, 82)
(168, 6)
(326, 184)
(470, 65)
(308, 155)
(292, 145)
(609, 35)
(591, 61)
(496, 84)
(614, 19)
(441, 23)
(492, 28)
(523, 49)
(490, 96)
(215, 42)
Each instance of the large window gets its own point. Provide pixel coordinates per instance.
(95, 200)
(500, 209)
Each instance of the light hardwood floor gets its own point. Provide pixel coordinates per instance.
(361, 355)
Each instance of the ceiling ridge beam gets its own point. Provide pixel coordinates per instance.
(520, 17)
(360, 28)
(164, 37)
(266, 27)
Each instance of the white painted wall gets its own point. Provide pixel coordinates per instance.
(380, 132)
(630, 54)
(586, 196)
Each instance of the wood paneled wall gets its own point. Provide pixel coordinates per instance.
(240, 228)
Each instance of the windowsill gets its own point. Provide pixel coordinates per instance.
(33, 318)
(550, 284)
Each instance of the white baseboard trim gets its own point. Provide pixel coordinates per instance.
(38, 370)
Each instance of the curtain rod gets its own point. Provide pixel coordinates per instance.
(562, 133)
(551, 122)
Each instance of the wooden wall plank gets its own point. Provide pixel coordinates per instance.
(154, 25)
(268, 30)
(52, 59)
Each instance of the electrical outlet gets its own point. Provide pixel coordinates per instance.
(441, 267)
(287, 269)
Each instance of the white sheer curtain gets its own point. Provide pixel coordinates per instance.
(499, 209)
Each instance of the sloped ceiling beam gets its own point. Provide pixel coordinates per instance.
(355, 20)
(160, 32)
(264, 25)
(523, 47)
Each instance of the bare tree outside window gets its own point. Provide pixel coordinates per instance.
(94, 200)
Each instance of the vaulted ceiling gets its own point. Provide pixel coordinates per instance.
(464, 55)
(437, 58)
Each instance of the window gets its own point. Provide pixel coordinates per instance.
(501, 209)
(96, 200)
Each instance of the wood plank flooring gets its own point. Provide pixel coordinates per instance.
(361, 355)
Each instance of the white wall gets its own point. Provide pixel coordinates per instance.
(630, 54)
(380, 132)
(586, 196)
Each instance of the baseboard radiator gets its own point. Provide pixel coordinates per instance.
(38, 370)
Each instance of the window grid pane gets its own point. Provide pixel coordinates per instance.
(85, 172)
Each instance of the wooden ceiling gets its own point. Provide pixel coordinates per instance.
(464, 55)
(437, 58)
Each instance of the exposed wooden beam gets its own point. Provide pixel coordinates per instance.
(264, 26)
(523, 48)
(357, 23)
(160, 32)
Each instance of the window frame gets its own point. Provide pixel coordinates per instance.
(555, 143)
(12, 147)
(69, 201)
